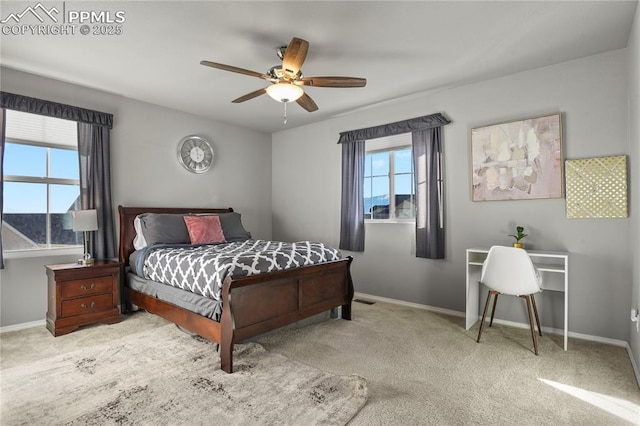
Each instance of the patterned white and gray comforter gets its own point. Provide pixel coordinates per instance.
(201, 269)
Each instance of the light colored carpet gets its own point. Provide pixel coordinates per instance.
(424, 368)
(164, 376)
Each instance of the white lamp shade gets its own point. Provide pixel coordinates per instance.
(84, 220)
(285, 92)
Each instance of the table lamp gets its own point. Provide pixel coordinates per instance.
(85, 221)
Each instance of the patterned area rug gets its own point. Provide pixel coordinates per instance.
(166, 377)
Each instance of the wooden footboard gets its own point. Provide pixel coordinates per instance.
(259, 303)
(251, 305)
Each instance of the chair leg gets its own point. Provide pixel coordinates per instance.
(535, 312)
(493, 310)
(484, 314)
(527, 300)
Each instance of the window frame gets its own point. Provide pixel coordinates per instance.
(390, 145)
(47, 180)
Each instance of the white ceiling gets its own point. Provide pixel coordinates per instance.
(400, 48)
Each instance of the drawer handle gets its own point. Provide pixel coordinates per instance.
(84, 305)
(91, 287)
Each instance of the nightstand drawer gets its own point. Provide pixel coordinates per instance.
(86, 305)
(87, 286)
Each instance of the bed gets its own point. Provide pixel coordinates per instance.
(249, 305)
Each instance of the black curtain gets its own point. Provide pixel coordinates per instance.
(397, 128)
(352, 208)
(54, 109)
(352, 203)
(3, 115)
(93, 143)
(427, 163)
(95, 186)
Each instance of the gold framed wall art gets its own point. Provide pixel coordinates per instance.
(597, 187)
(518, 160)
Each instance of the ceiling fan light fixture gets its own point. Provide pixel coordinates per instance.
(284, 92)
(287, 78)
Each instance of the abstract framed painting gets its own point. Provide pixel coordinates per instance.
(518, 160)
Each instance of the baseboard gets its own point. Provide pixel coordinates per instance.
(22, 326)
(409, 304)
(633, 364)
(559, 331)
(549, 330)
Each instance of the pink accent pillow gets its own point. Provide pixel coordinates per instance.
(204, 229)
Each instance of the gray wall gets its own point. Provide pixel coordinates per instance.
(145, 172)
(299, 195)
(592, 95)
(634, 133)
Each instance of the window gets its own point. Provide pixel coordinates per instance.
(41, 182)
(389, 190)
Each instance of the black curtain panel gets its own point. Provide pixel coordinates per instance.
(352, 205)
(397, 128)
(427, 163)
(95, 186)
(3, 115)
(54, 109)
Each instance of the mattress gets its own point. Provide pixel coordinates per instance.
(192, 302)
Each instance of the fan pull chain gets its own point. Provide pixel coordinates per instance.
(285, 112)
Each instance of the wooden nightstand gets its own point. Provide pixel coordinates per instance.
(82, 294)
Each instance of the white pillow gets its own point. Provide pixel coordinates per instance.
(138, 242)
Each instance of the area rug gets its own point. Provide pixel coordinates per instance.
(166, 377)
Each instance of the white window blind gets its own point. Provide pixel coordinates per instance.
(40, 129)
(387, 142)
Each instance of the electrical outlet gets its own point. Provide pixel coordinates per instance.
(635, 317)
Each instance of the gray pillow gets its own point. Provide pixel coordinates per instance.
(163, 228)
(232, 227)
(170, 228)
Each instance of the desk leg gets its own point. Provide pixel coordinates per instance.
(566, 303)
(473, 294)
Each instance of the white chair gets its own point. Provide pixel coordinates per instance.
(509, 270)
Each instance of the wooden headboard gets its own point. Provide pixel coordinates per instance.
(128, 232)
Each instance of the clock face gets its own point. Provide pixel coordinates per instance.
(195, 154)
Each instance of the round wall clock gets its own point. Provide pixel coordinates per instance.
(195, 154)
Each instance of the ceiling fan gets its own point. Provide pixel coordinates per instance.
(287, 79)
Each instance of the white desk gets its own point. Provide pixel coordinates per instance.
(552, 262)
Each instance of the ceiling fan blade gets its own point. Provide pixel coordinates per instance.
(307, 103)
(295, 55)
(235, 69)
(250, 96)
(334, 81)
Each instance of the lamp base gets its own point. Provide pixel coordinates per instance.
(84, 261)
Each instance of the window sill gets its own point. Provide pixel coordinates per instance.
(409, 222)
(25, 254)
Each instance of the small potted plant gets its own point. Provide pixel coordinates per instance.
(518, 236)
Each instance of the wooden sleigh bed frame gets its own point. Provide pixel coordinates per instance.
(251, 305)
